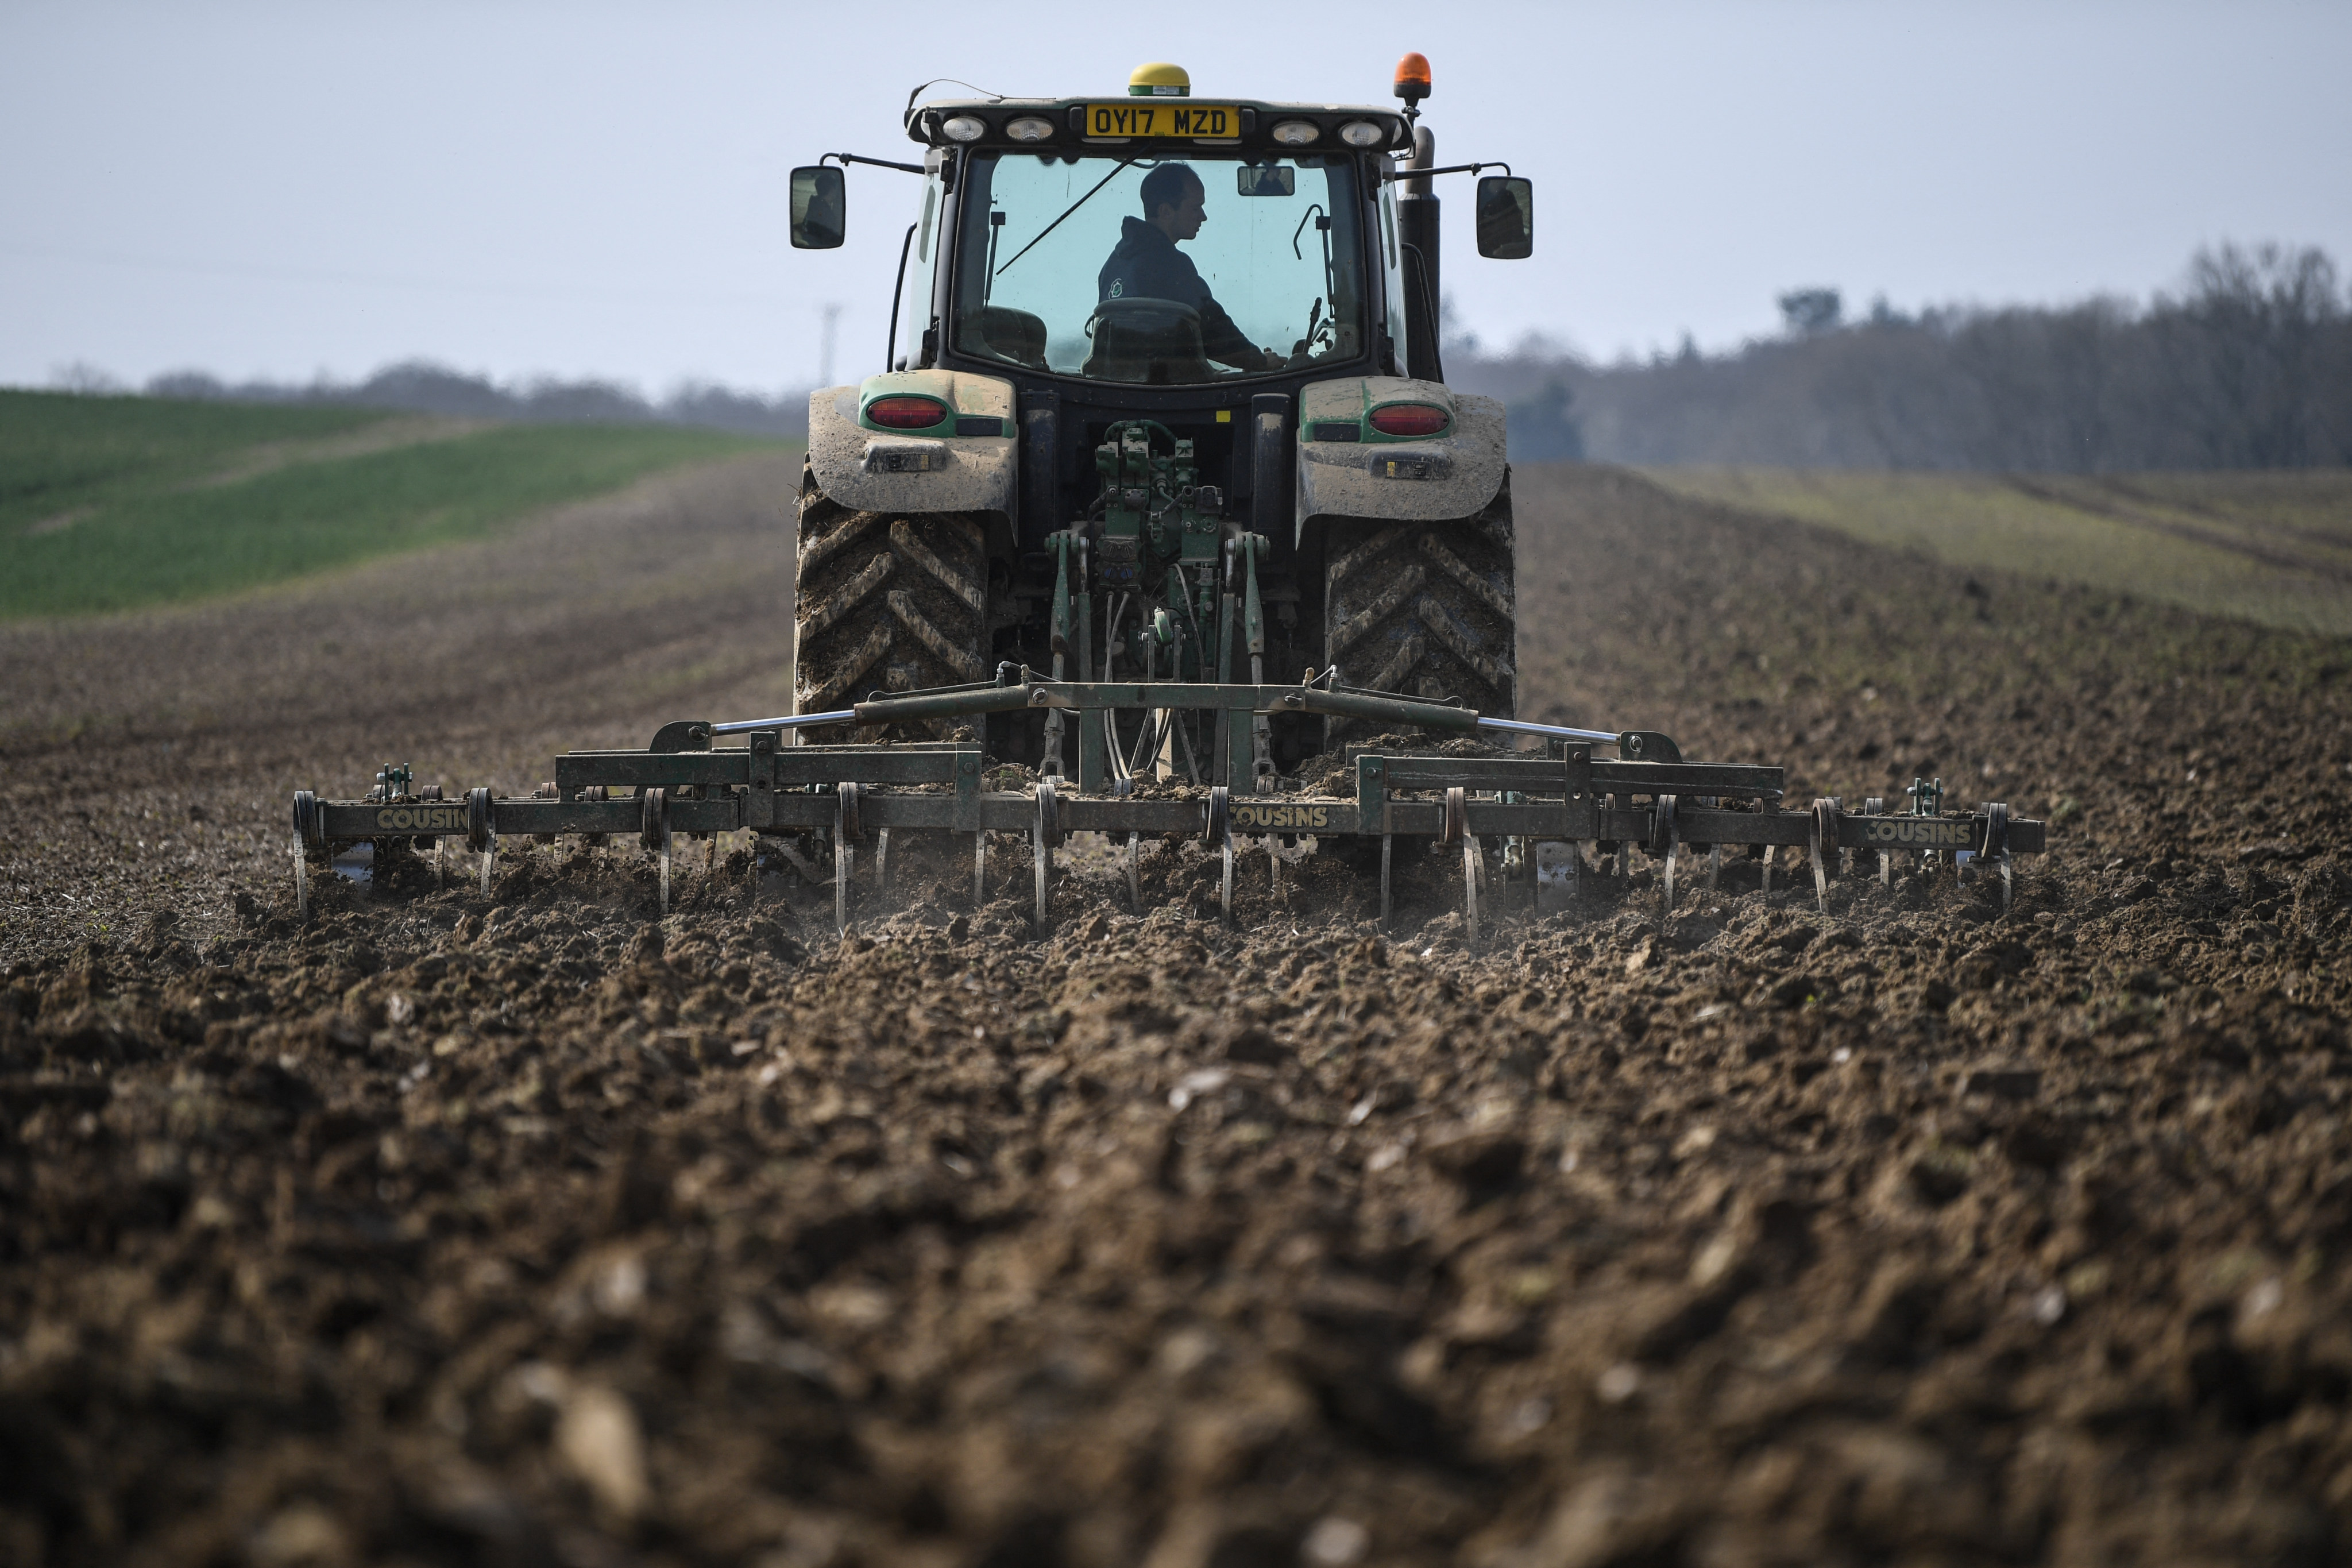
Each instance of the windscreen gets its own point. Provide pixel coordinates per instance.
(1168, 271)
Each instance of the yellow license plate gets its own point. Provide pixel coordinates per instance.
(1140, 118)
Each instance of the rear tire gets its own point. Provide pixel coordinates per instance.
(885, 602)
(1424, 609)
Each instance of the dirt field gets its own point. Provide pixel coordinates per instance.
(535, 1229)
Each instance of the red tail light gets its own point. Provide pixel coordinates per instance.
(906, 413)
(1410, 419)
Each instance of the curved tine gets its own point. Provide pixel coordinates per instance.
(1387, 843)
(1227, 895)
(1674, 836)
(844, 858)
(1470, 881)
(1814, 852)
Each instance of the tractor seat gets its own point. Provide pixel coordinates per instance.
(1011, 334)
(1157, 342)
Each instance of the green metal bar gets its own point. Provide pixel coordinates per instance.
(1060, 623)
(1222, 742)
(1252, 610)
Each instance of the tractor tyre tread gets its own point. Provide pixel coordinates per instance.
(884, 602)
(1426, 609)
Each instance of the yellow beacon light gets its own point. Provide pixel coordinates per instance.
(1160, 80)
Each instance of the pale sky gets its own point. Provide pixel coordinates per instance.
(599, 189)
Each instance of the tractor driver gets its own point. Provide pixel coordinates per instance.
(1146, 264)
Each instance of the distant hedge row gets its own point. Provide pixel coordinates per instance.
(2250, 366)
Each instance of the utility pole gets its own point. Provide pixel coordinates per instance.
(825, 357)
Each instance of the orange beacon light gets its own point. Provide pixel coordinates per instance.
(1413, 78)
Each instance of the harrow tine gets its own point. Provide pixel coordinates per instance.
(301, 883)
(845, 834)
(653, 834)
(1470, 858)
(479, 832)
(1772, 853)
(1274, 862)
(1875, 805)
(978, 867)
(1997, 846)
(1669, 830)
(1135, 871)
(1043, 835)
(1219, 829)
(881, 859)
(1388, 844)
(844, 861)
(1822, 847)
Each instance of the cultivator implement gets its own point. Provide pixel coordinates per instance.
(1558, 816)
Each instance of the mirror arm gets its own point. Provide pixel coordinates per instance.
(1412, 173)
(848, 158)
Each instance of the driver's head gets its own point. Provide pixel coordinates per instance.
(1172, 198)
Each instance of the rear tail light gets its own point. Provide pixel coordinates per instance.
(906, 413)
(1410, 419)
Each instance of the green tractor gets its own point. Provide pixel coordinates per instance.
(1163, 482)
(1163, 403)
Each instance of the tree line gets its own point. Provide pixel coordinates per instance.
(422, 387)
(2249, 365)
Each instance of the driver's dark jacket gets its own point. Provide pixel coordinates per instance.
(1146, 264)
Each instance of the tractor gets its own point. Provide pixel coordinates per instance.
(1092, 452)
(1162, 495)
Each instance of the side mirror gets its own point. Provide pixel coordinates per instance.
(1506, 218)
(821, 209)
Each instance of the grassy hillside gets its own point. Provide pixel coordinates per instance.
(2270, 547)
(109, 503)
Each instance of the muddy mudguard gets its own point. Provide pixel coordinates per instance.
(1349, 469)
(967, 463)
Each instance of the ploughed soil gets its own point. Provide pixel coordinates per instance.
(537, 1228)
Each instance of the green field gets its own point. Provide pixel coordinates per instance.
(112, 503)
(2270, 547)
